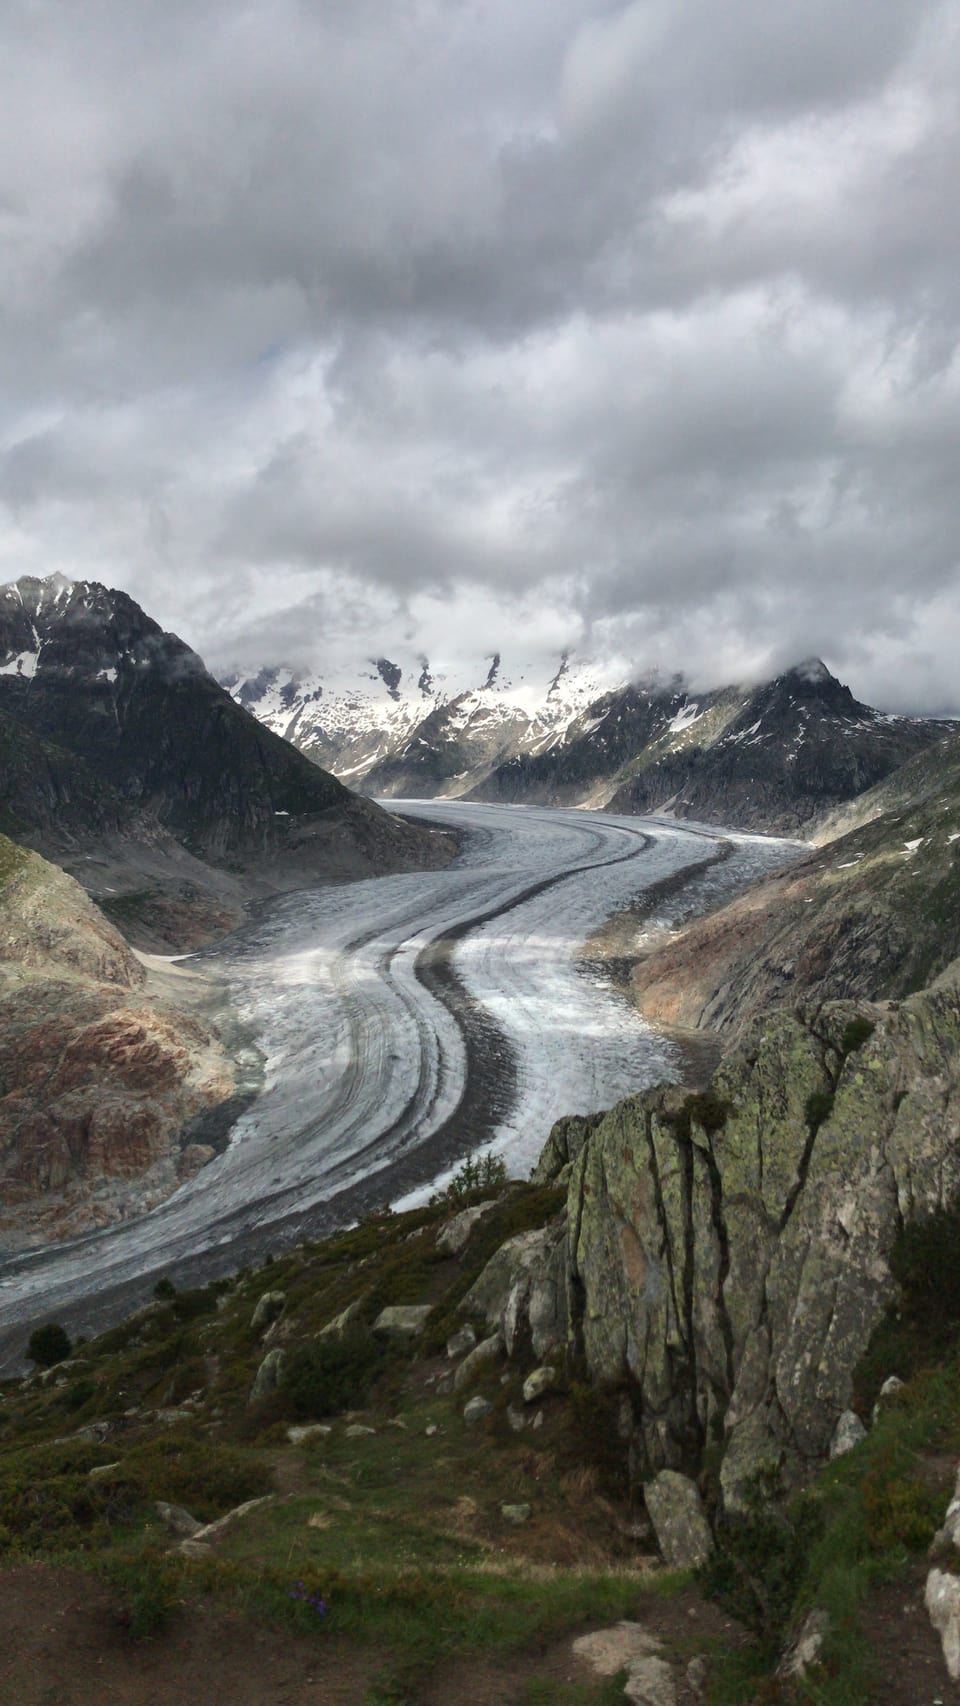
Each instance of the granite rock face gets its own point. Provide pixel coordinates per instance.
(728, 1253)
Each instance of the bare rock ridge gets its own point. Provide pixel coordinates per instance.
(110, 727)
(773, 757)
(100, 1081)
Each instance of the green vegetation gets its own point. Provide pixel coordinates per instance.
(49, 1345)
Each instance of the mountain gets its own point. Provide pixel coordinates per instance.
(399, 729)
(874, 912)
(771, 757)
(110, 727)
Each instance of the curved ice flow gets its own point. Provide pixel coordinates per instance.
(365, 1064)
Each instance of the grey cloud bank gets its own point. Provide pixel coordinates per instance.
(628, 327)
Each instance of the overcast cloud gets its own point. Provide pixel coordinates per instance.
(334, 326)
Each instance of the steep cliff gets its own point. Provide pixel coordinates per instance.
(728, 1254)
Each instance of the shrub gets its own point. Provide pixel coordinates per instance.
(332, 1374)
(478, 1173)
(49, 1345)
(164, 1290)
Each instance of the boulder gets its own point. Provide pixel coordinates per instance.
(476, 1410)
(177, 1520)
(268, 1376)
(522, 1291)
(309, 1431)
(479, 1359)
(358, 1430)
(848, 1433)
(650, 1683)
(269, 1306)
(942, 1600)
(454, 1235)
(336, 1328)
(517, 1515)
(461, 1342)
(537, 1384)
(402, 1320)
(679, 1523)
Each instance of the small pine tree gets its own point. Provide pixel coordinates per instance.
(48, 1345)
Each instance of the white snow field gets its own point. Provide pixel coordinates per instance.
(406, 1020)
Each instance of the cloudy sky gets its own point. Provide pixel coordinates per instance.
(346, 325)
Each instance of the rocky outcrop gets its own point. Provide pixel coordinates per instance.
(100, 1085)
(727, 1254)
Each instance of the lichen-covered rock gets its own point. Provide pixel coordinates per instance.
(477, 1360)
(728, 1253)
(522, 1291)
(454, 1235)
(942, 1600)
(566, 1140)
(460, 1342)
(848, 1433)
(538, 1383)
(269, 1306)
(268, 1375)
(402, 1320)
(679, 1522)
(476, 1410)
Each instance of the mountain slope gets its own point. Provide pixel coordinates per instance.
(772, 757)
(111, 727)
(101, 1082)
(874, 913)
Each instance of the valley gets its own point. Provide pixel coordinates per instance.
(405, 1021)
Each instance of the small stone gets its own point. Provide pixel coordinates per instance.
(847, 1434)
(357, 1430)
(537, 1420)
(517, 1514)
(177, 1519)
(461, 1342)
(402, 1320)
(213, 1530)
(942, 1600)
(309, 1431)
(269, 1306)
(516, 1417)
(888, 1390)
(475, 1410)
(541, 1381)
(676, 1511)
(431, 1430)
(102, 1469)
